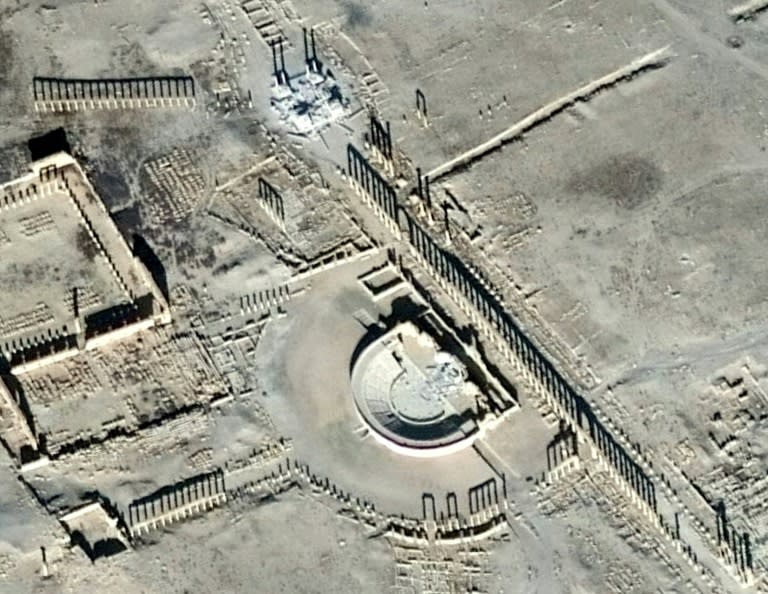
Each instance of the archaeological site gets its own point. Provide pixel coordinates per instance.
(394, 296)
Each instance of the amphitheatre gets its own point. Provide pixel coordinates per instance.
(417, 397)
(409, 297)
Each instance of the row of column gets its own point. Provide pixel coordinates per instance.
(372, 183)
(483, 495)
(18, 194)
(272, 199)
(562, 447)
(455, 272)
(569, 403)
(735, 548)
(280, 73)
(179, 495)
(61, 89)
(381, 138)
(617, 456)
(11, 197)
(296, 468)
(264, 300)
(31, 348)
(428, 504)
(50, 173)
(423, 189)
(311, 60)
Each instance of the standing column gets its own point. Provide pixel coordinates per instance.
(366, 179)
(354, 172)
(358, 172)
(376, 187)
(374, 138)
(377, 193)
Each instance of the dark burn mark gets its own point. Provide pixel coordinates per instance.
(357, 15)
(628, 180)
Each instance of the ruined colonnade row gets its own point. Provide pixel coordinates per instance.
(473, 295)
(452, 270)
(481, 497)
(179, 500)
(272, 202)
(570, 404)
(380, 140)
(69, 94)
(734, 547)
(376, 191)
